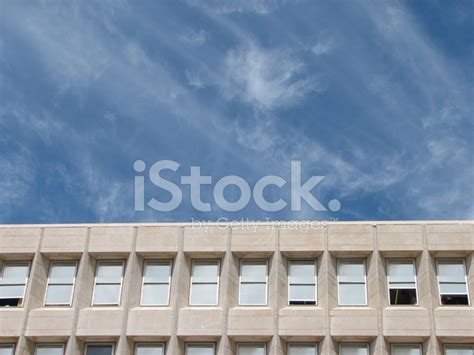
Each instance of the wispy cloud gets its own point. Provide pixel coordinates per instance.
(324, 44)
(194, 38)
(362, 94)
(16, 181)
(267, 78)
(261, 7)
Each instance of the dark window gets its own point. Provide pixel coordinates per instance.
(402, 296)
(401, 276)
(454, 300)
(99, 349)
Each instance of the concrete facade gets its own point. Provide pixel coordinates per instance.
(428, 323)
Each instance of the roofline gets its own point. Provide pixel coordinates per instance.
(231, 222)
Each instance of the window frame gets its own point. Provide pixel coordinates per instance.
(48, 283)
(98, 344)
(251, 343)
(338, 261)
(9, 346)
(39, 345)
(315, 281)
(457, 346)
(149, 344)
(288, 345)
(170, 262)
(110, 261)
(466, 282)
(200, 343)
(387, 262)
(420, 346)
(266, 282)
(367, 346)
(4, 263)
(205, 283)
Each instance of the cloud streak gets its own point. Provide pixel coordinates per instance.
(362, 93)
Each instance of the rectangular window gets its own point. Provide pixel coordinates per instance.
(150, 349)
(205, 283)
(302, 276)
(406, 349)
(13, 282)
(459, 349)
(7, 349)
(302, 349)
(200, 349)
(452, 282)
(108, 283)
(61, 279)
(156, 283)
(401, 277)
(251, 349)
(50, 349)
(253, 282)
(100, 349)
(353, 349)
(352, 282)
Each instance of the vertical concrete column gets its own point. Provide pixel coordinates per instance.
(277, 282)
(131, 284)
(179, 285)
(427, 277)
(327, 294)
(37, 278)
(227, 266)
(379, 345)
(470, 274)
(232, 290)
(82, 295)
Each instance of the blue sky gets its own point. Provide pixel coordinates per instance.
(374, 95)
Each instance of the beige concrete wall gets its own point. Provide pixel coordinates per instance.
(228, 323)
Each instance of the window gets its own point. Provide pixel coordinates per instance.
(401, 276)
(100, 349)
(251, 349)
(108, 283)
(156, 283)
(353, 349)
(459, 349)
(7, 349)
(352, 279)
(49, 349)
(150, 349)
(200, 349)
(13, 281)
(302, 349)
(204, 282)
(452, 282)
(253, 282)
(406, 349)
(302, 278)
(61, 279)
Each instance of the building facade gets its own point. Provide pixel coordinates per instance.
(402, 288)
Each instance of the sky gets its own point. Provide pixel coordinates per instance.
(376, 96)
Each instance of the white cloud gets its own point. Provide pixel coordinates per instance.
(258, 135)
(196, 78)
(74, 56)
(446, 149)
(324, 45)
(266, 78)
(261, 7)
(194, 38)
(17, 178)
